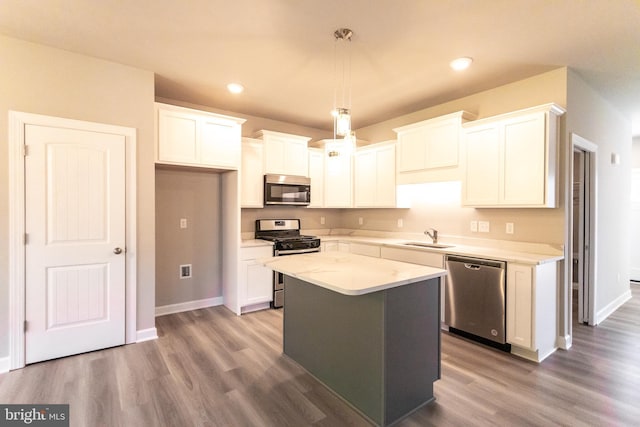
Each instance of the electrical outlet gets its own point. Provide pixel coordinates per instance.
(360, 221)
(509, 228)
(322, 220)
(483, 226)
(474, 226)
(183, 222)
(400, 223)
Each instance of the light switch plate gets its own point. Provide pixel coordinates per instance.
(322, 220)
(483, 226)
(183, 222)
(400, 223)
(474, 226)
(360, 221)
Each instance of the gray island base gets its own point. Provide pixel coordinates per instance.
(379, 351)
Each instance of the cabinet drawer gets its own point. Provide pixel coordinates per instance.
(368, 250)
(256, 252)
(429, 259)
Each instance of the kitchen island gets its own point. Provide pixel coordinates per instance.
(368, 328)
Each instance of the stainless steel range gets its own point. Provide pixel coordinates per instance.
(287, 240)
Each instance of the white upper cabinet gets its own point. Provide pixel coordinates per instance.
(252, 174)
(316, 174)
(510, 160)
(284, 154)
(429, 150)
(338, 180)
(197, 138)
(375, 176)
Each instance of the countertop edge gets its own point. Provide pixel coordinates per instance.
(461, 250)
(356, 264)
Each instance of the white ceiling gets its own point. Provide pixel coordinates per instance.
(282, 51)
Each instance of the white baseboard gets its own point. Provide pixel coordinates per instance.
(564, 342)
(612, 306)
(146, 335)
(5, 364)
(188, 306)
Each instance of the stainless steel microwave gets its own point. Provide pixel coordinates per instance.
(287, 190)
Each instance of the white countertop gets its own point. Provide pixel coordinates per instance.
(516, 254)
(351, 274)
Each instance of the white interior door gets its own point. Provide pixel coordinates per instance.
(74, 253)
(635, 224)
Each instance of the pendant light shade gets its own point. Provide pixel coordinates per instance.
(342, 95)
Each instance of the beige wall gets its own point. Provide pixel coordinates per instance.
(195, 196)
(309, 218)
(537, 90)
(437, 205)
(531, 225)
(593, 118)
(42, 80)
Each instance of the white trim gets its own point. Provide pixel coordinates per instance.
(146, 335)
(188, 306)
(255, 307)
(17, 122)
(16, 240)
(612, 306)
(588, 146)
(565, 342)
(582, 143)
(5, 364)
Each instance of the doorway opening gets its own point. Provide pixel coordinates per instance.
(583, 231)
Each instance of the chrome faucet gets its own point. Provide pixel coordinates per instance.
(433, 236)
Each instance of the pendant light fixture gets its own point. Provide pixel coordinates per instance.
(342, 95)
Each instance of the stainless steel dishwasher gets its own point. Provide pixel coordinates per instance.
(475, 299)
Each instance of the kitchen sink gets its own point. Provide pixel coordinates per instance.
(428, 245)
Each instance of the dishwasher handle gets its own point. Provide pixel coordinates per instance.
(471, 263)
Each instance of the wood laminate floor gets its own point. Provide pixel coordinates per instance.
(212, 368)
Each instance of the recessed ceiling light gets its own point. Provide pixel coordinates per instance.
(235, 88)
(460, 64)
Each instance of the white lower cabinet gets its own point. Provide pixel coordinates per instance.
(256, 281)
(532, 310)
(367, 250)
(328, 246)
(430, 259)
(335, 246)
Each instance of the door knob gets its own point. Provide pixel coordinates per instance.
(117, 251)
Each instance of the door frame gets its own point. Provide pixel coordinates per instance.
(589, 150)
(17, 122)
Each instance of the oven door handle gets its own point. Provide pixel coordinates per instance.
(296, 251)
